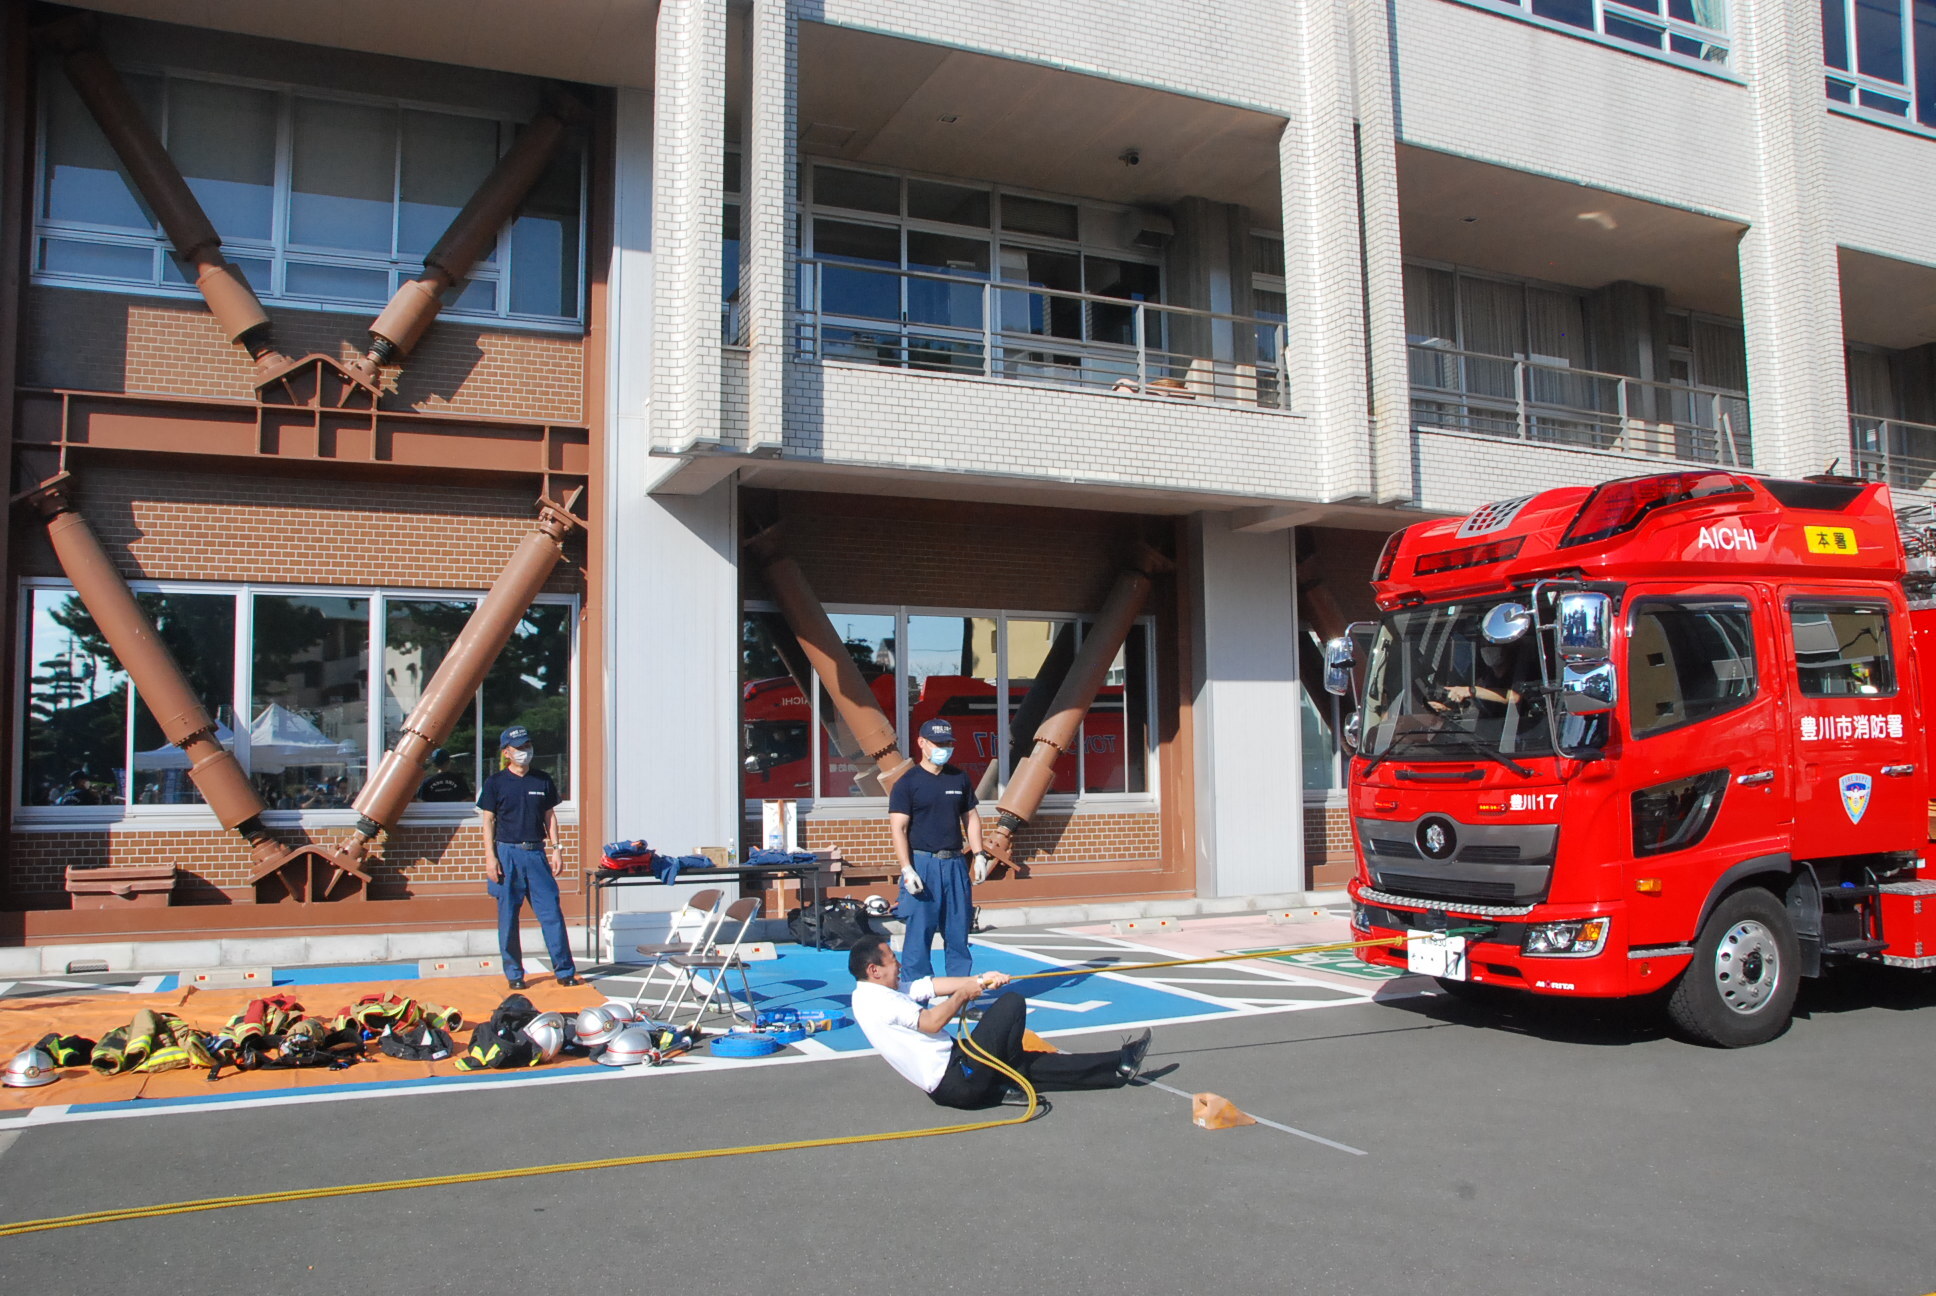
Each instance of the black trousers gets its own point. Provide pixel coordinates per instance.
(969, 1083)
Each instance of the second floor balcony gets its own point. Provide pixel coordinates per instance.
(1892, 450)
(1558, 404)
(1028, 332)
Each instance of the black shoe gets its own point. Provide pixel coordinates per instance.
(569, 981)
(1132, 1059)
(1012, 1096)
(516, 983)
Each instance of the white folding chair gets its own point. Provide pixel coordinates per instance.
(719, 962)
(695, 926)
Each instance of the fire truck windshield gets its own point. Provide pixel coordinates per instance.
(1436, 690)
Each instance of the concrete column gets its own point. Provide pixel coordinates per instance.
(672, 649)
(1384, 264)
(689, 151)
(1249, 775)
(1323, 269)
(769, 179)
(1791, 296)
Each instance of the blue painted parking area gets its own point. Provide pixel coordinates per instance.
(1073, 1001)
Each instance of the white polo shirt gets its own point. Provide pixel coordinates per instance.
(890, 1020)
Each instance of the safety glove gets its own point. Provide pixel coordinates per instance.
(912, 881)
(983, 862)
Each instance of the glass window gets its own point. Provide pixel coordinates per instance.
(1842, 649)
(530, 684)
(951, 667)
(857, 190)
(315, 199)
(1132, 281)
(949, 204)
(76, 718)
(952, 664)
(417, 635)
(309, 732)
(933, 302)
(868, 294)
(1038, 216)
(199, 632)
(1688, 662)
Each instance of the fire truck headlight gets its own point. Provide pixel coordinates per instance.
(1580, 938)
(1360, 920)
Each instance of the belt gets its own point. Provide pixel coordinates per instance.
(951, 854)
(536, 845)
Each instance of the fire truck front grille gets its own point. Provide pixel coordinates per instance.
(1489, 855)
(1441, 888)
(1395, 848)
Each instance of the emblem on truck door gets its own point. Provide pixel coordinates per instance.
(1855, 795)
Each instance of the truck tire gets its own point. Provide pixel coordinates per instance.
(1740, 988)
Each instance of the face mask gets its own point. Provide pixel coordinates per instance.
(942, 755)
(519, 758)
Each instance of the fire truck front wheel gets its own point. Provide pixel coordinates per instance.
(1740, 987)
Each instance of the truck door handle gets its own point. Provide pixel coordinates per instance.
(1898, 771)
(1756, 779)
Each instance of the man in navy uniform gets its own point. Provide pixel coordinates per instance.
(519, 806)
(443, 784)
(931, 814)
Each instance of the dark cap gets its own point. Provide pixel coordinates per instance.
(515, 736)
(439, 756)
(939, 732)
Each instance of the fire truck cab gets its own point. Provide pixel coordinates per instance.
(1664, 735)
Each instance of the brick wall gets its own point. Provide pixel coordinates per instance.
(1328, 858)
(98, 341)
(417, 860)
(164, 525)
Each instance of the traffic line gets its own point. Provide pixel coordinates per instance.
(1288, 1129)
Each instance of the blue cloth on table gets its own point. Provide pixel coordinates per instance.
(780, 858)
(626, 849)
(667, 868)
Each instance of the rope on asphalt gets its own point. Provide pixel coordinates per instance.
(286, 1196)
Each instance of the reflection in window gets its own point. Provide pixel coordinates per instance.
(951, 673)
(1881, 55)
(776, 722)
(1039, 656)
(530, 685)
(871, 642)
(309, 736)
(1842, 650)
(199, 631)
(1688, 663)
(77, 708)
(1115, 733)
(418, 634)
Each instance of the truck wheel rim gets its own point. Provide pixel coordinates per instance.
(1747, 967)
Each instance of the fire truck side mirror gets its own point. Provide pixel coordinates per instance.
(1588, 687)
(1585, 626)
(1339, 659)
(1506, 623)
(1353, 732)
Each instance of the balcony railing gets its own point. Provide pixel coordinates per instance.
(1532, 401)
(939, 323)
(1894, 451)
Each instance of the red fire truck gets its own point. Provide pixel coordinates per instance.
(1666, 735)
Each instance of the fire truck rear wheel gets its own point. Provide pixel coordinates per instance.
(1740, 988)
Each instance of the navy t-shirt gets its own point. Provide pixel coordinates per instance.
(934, 804)
(520, 802)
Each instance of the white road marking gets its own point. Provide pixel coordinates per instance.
(1087, 1005)
(1288, 1129)
(7, 1139)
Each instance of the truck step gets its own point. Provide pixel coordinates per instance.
(1849, 893)
(1853, 947)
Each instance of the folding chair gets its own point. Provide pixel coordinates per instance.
(695, 926)
(719, 962)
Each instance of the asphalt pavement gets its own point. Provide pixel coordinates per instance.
(1549, 1148)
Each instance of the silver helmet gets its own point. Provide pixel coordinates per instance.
(630, 1047)
(877, 906)
(594, 1026)
(30, 1069)
(620, 1010)
(547, 1032)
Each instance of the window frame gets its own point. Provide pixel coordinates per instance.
(1689, 603)
(197, 815)
(857, 807)
(280, 246)
(1521, 10)
(1860, 84)
(1832, 603)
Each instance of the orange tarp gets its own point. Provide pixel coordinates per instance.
(22, 1021)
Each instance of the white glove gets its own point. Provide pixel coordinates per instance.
(912, 881)
(983, 862)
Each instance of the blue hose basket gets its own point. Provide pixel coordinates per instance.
(745, 1044)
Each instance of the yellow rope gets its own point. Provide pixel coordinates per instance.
(615, 1163)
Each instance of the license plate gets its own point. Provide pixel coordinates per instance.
(1435, 954)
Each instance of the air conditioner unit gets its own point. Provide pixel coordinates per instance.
(1150, 230)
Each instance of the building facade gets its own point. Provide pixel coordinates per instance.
(948, 315)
